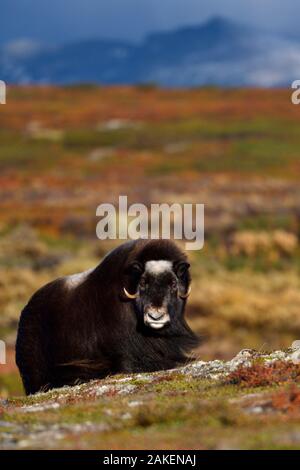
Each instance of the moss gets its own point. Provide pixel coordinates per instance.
(10, 384)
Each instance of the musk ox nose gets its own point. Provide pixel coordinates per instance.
(156, 314)
(156, 318)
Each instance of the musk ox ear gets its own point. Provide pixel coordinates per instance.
(181, 269)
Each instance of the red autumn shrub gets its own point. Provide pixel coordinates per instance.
(287, 401)
(262, 375)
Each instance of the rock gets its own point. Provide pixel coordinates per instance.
(59, 418)
(39, 407)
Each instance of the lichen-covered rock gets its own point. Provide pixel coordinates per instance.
(196, 397)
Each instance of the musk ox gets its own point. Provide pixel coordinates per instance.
(126, 315)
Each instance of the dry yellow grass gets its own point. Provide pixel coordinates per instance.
(245, 309)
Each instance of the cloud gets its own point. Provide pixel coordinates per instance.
(22, 48)
(61, 21)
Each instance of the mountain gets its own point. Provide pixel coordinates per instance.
(218, 52)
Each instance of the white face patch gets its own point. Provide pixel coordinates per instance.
(158, 267)
(75, 280)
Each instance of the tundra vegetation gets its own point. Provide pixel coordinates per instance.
(63, 152)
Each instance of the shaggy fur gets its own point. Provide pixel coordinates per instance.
(72, 332)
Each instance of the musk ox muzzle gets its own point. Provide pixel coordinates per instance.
(156, 317)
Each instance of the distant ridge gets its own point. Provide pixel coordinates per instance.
(218, 52)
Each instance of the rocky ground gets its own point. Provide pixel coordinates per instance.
(251, 401)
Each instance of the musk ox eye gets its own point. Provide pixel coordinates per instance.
(174, 285)
(143, 284)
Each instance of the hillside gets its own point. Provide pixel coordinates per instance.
(65, 150)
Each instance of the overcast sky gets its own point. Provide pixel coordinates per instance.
(52, 21)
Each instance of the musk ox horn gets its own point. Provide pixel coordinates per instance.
(130, 296)
(185, 296)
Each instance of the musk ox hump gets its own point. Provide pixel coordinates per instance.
(74, 280)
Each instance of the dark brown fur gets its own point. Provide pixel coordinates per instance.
(91, 331)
